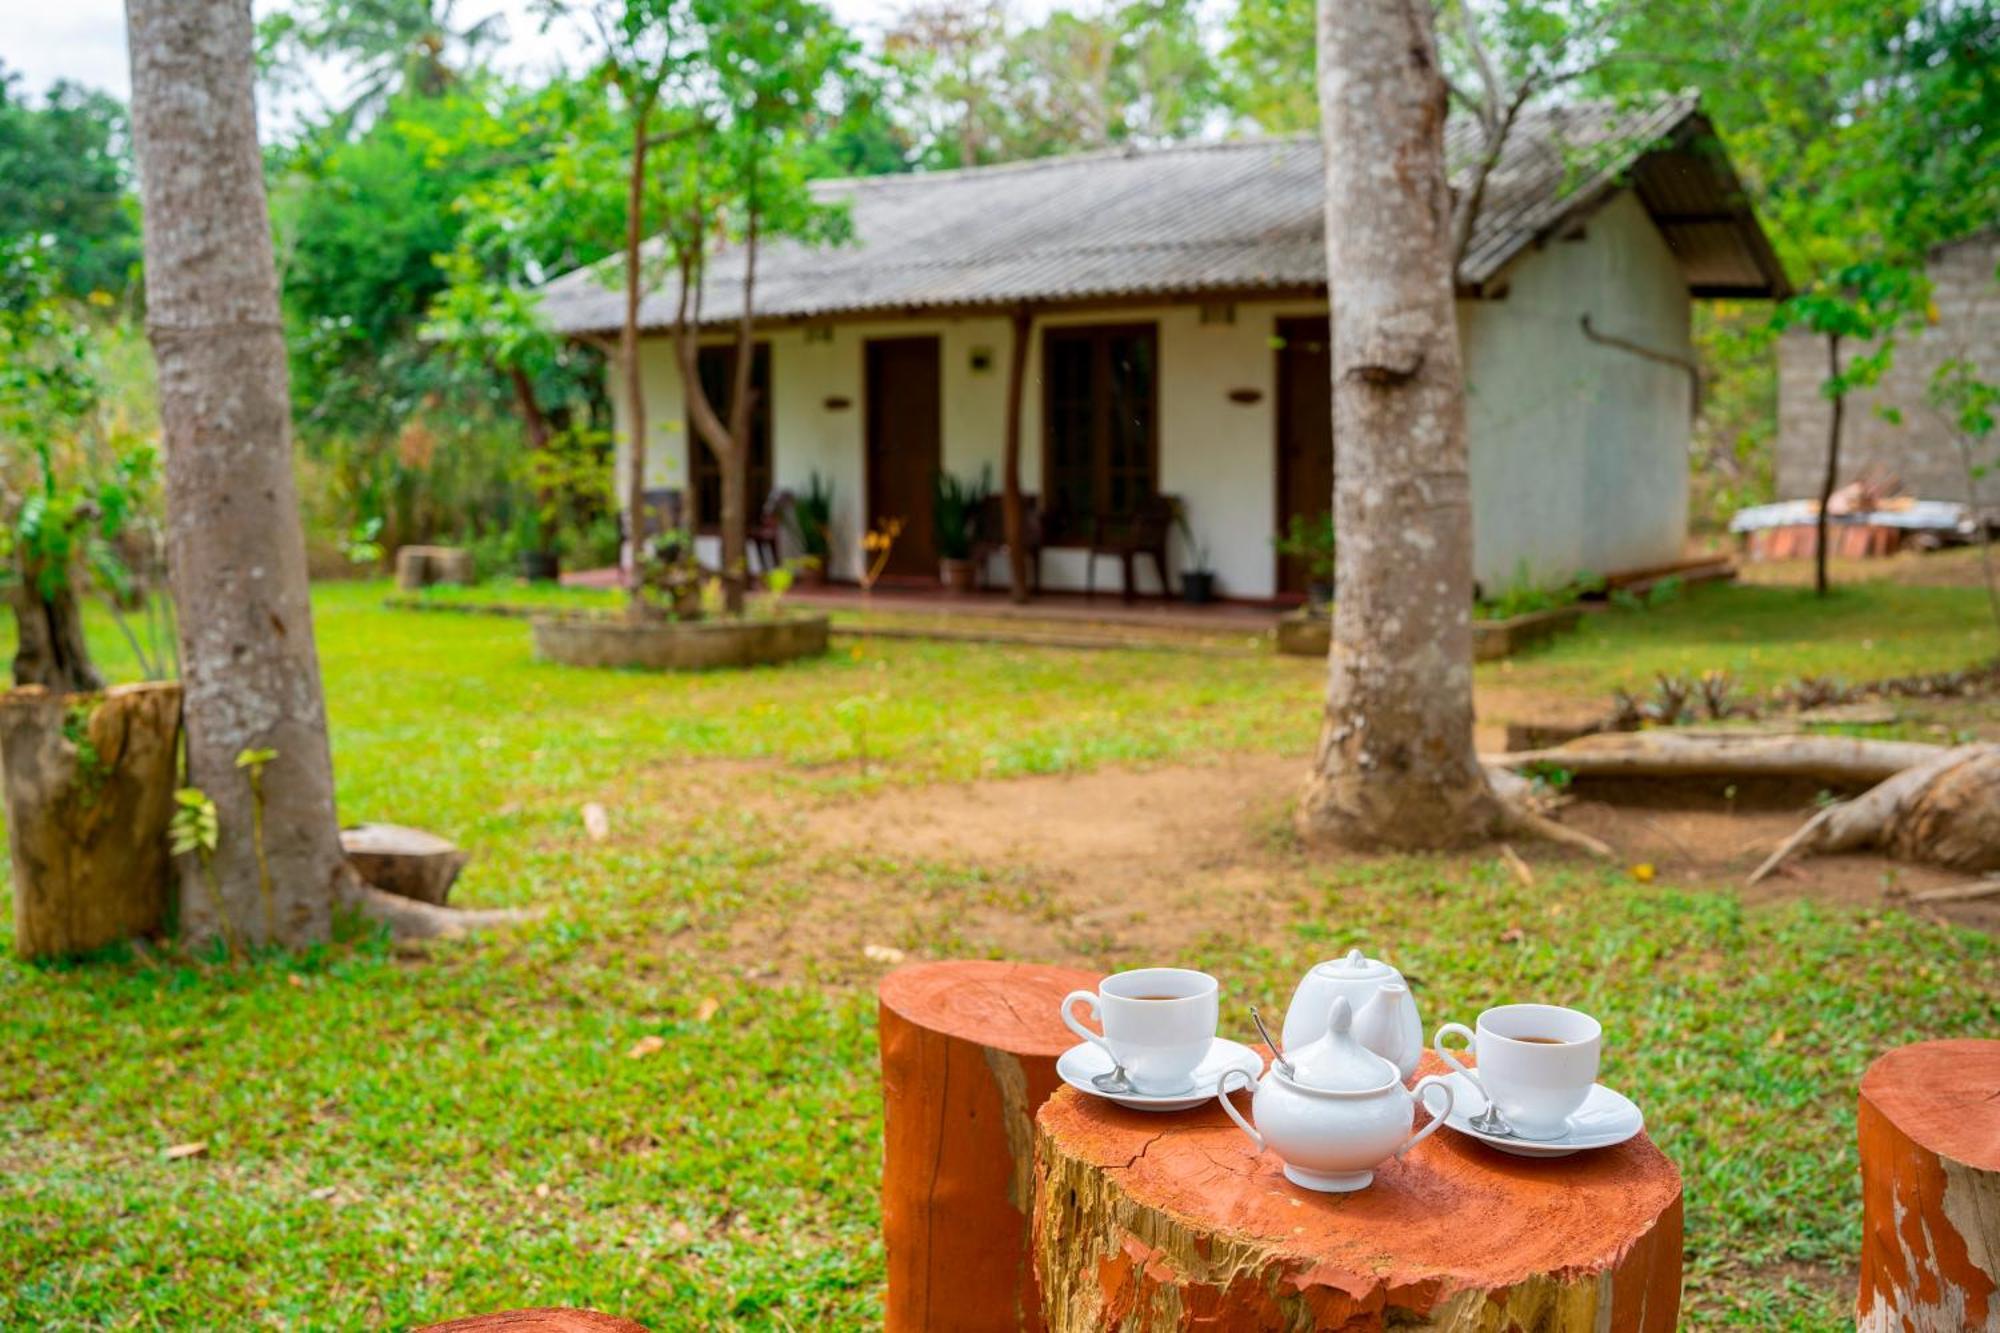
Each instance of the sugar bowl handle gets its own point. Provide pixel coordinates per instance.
(1222, 1091)
(1437, 1117)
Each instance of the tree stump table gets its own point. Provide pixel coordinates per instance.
(968, 1055)
(1148, 1222)
(1929, 1126)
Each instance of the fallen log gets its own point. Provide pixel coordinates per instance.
(1945, 811)
(1838, 760)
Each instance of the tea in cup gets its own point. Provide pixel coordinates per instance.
(1536, 1063)
(1158, 1024)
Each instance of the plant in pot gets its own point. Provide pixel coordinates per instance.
(1312, 542)
(812, 527)
(90, 773)
(571, 485)
(955, 507)
(1198, 569)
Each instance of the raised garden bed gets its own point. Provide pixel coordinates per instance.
(1303, 634)
(677, 645)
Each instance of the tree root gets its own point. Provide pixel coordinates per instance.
(1670, 754)
(1520, 819)
(1945, 810)
(409, 919)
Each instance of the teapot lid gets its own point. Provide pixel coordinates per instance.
(1357, 966)
(1337, 1062)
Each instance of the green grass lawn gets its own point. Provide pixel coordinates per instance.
(396, 1135)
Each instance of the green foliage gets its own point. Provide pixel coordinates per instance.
(1523, 595)
(75, 481)
(1732, 462)
(1312, 541)
(195, 826)
(969, 85)
(812, 518)
(955, 509)
(64, 172)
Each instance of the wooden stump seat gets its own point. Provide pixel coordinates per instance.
(542, 1319)
(968, 1054)
(420, 566)
(1929, 1126)
(1147, 1222)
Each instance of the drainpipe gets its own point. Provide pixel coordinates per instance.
(1688, 364)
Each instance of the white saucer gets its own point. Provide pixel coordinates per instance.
(1606, 1118)
(1080, 1062)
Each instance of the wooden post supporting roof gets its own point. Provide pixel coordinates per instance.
(1010, 468)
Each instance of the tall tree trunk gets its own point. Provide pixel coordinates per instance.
(1832, 477)
(1010, 467)
(236, 556)
(628, 358)
(1396, 765)
(49, 647)
(735, 460)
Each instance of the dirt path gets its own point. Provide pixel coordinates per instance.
(1121, 863)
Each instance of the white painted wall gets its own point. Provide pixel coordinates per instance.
(1579, 452)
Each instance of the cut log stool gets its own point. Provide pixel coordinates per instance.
(968, 1054)
(405, 861)
(1147, 1222)
(1930, 1188)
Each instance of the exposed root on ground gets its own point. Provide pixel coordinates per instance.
(408, 919)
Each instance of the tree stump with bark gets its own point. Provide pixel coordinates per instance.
(1147, 1222)
(545, 1319)
(90, 788)
(968, 1055)
(404, 861)
(1929, 1126)
(420, 566)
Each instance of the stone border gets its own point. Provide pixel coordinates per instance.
(677, 645)
(1302, 634)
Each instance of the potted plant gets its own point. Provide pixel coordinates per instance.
(1312, 542)
(1198, 571)
(955, 507)
(812, 526)
(538, 560)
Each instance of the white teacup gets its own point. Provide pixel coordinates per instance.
(1536, 1063)
(1158, 1024)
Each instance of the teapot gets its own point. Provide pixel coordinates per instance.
(1340, 1113)
(1385, 1014)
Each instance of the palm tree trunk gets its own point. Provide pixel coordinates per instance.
(1396, 765)
(236, 556)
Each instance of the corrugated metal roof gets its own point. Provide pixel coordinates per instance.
(1239, 216)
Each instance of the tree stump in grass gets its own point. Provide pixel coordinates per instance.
(420, 566)
(546, 1319)
(968, 1054)
(1929, 1126)
(405, 861)
(1147, 1222)
(90, 789)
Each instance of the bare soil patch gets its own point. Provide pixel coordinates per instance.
(1100, 868)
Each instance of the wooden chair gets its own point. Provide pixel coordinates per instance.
(765, 533)
(989, 536)
(1127, 536)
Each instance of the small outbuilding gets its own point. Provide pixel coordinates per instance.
(1171, 307)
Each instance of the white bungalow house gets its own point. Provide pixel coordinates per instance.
(1175, 301)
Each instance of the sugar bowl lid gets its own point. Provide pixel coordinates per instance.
(1337, 1062)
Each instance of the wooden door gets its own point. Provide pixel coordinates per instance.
(1305, 432)
(904, 430)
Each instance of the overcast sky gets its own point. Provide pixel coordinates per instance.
(84, 40)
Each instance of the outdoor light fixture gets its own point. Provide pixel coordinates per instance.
(982, 360)
(1246, 396)
(836, 403)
